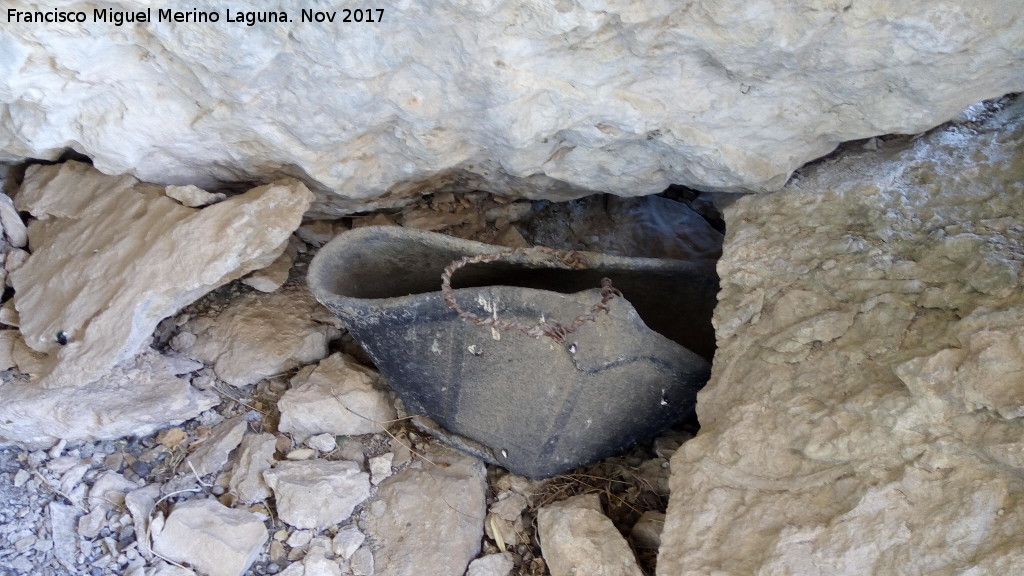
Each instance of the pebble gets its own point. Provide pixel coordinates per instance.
(322, 442)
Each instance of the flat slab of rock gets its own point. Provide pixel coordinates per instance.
(339, 396)
(258, 335)
(864, 414)
(111, 257)
(448, 497)
(255, 456)
(212, 454)
(317, 493)
(137, 399)
(577, 538)
(216, 540)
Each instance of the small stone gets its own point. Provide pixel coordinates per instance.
(322, 442)
(272, 277)
(20, 477)
(301, 454)
(579, 539)
(317, 564)
(299, 538)
(192, 196)
(347, 541)
(217, 541)
(255, 455)
(13, 226)
(338, 397)
(212, 454)
(361, 563)
(316, 494)
(646, 533)
(140, 504)
(492, 565)
(380, 467)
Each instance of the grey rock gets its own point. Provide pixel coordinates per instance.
(315, 494)
(492, 565)
(646, 533)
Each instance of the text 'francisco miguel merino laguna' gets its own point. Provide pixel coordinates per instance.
(251, 18)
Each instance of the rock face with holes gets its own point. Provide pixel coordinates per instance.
(560, 99)
(866, 412)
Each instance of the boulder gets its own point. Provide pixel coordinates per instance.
(526, 97)
(864, 413)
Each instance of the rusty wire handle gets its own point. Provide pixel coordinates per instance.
(565, 259)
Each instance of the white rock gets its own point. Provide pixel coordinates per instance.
(137, 399)
(299, 538)
(577, 538)
(107, 493)
(362, 563)
(322, 442)
(11, 222)
(339, 397)
(99, 268)
(140, 504)
(316, 564)
(380, 467)
(255, 456)
(192, 196)
(300, 454)
(259, 335)
(215, 540)
(272, 277)
(318, 493)
(63, 519)
(212, 454)
(451, 494)
(492, 565)
(885, 435)
(562, 97)
(347, 541)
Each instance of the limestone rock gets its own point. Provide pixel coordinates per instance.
(134, 399)
(863, 415)
(339, 397)
(317, 493)
(212, 454)
(362, 563)
(215, 540)
(451, 493)
(259, 335)
(577, 538)
(111, 257)
(192, 196)
(492, 565)
(347, 541)
(10, 220)
(561, 99)
(272, 277)
(140, 504)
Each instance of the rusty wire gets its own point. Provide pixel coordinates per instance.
(564, 259)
